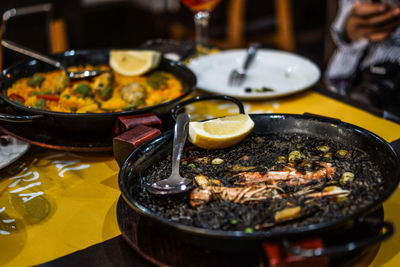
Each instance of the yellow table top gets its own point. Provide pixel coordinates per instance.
(53, 203)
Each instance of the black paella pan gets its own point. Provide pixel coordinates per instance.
(82, 123)
(382, 154)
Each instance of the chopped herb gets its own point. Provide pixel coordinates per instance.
(234, 221)
(157, 79)
(248, 230)
(39, 93)
(248, 90)
(66, 96)
(257, 90)
(74, 109)
(82, 89)
(40, 103)
(17, 101)
(36, 80)
(128, 107)
(266, 89)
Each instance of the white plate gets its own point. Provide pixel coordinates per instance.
(284, 72)
(12, 151)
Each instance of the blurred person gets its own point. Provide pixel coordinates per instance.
(366, 63)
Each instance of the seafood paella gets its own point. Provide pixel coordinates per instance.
(266, 183)
(108, 92)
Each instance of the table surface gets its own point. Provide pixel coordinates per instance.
(54, 203)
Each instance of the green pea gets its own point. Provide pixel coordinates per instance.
(295, 155)
(323, 148)
(217, 161)
(281, 160)
(347, 177)
(307, 164)
(341, 153)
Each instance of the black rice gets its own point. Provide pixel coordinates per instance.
(267, 152)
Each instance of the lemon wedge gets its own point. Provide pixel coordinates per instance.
(220, 133)
(134, 62)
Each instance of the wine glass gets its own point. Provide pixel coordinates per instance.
(202, 10)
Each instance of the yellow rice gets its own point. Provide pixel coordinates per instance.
(72, 102)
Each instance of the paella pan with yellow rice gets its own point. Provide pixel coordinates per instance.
(42, 95)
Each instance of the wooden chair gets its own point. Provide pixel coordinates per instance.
(283, 37)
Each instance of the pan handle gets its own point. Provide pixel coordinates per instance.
(14, 118)
(388, 228)
(179, 106)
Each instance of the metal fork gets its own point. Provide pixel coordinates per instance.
(237, 76)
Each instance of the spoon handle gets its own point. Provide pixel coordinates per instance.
(28, 52)
(180, 134)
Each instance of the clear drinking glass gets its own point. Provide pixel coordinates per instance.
(202, 10)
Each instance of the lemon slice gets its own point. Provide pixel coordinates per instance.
(134, 62)
(221, 132)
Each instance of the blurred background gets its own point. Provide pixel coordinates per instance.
(297, 26)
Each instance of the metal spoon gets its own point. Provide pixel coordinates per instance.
(28, 52)
(175, 183)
